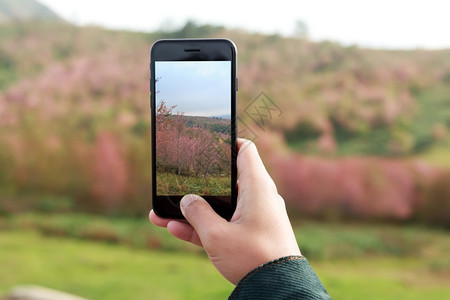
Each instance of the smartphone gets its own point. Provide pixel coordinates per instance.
(193, 99)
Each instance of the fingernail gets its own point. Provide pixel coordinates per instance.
(187, 200)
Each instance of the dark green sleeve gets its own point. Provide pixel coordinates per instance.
(289, 277)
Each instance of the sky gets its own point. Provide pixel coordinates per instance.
(393, 24)
(202, 88)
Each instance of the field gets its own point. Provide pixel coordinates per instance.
(193, 154)
(173, 184)
(99, 271)
(357, 141)
(353, 261)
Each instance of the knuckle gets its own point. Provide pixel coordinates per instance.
(215, 234)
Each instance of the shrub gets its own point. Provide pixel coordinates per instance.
(435, 209)
(99, 231)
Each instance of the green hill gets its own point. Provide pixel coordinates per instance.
(25, 10)
(78, 97)
(334, 100)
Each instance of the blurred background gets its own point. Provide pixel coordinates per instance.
(353, 125)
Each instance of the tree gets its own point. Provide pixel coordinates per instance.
(300, 29)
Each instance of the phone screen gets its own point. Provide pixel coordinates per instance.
(193, 128)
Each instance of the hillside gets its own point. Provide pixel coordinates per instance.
(214, 124)
(335, 100)
(25, 10)
(78, 97)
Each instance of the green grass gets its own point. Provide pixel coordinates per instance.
(438, 155)
(133, 232)
(382, 278)
(100, 271)
(325, 241)
(355, 261)
(172, 184)
(319, 241)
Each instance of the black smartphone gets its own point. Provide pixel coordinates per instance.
(193, 99)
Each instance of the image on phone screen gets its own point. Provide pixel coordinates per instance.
(193, 128)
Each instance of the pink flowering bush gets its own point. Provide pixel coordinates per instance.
(190, 151)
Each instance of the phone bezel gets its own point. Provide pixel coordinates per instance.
(167, 206)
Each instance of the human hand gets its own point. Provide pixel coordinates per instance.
(258, 232)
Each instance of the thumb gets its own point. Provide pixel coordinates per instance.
(199, 214)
